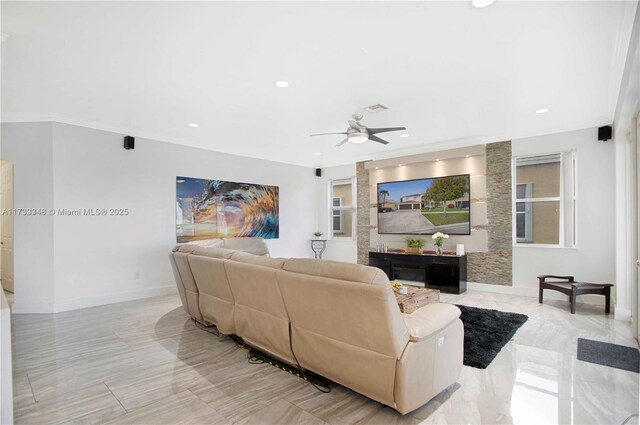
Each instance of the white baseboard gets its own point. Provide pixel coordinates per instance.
(504, 289)
(29, 308)
(622, 314)
(78, 303)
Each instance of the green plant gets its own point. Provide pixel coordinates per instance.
(414, 243)
(317, 234)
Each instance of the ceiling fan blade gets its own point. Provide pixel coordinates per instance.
(325, 134)
(377, 139)
(384, 130)
(342, 143)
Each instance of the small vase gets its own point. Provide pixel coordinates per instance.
(438, 249)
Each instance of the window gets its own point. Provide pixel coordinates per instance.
(342, 208)
(338, 215)
(544, 196)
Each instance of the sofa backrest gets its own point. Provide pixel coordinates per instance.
(259, 314)
(255, 246)
(215, 299)
(211, 243)
(186, 283)
(346, 324)
(337, 270)
(179, 283)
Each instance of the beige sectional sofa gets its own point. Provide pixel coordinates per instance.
(344, 319)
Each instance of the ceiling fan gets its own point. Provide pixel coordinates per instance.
(358, 133)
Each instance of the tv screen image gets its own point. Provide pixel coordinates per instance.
(425, 206)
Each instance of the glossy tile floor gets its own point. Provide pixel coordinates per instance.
(145, 362)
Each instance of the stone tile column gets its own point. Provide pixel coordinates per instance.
(363, 217)
(495, 265)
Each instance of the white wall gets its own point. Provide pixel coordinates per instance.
(30, 148)
(594, 257)
(339, 249)
(95, 259)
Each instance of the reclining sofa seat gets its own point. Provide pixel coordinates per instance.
(345, 322)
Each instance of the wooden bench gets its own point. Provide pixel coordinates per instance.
(568, 286)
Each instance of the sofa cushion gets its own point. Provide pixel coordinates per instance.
(337, 270)
(245, 257)
(256, 246)
(213, 252)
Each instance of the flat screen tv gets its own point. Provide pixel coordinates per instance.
(425, 206)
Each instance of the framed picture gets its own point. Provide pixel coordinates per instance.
(208, 209)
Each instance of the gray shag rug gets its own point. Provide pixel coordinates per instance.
(486, 332)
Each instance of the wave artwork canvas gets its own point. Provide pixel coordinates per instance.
(208, 209)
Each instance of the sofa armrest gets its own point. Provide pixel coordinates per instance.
(430, 319)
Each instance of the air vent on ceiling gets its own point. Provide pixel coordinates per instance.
(378, 107)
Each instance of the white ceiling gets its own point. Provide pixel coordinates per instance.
(452, 74)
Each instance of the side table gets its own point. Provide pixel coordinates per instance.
(568, 286)
(318, 246)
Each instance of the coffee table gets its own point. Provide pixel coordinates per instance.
(416, 298)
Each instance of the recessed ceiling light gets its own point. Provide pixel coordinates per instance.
(543, 111)
(316, 153)
(404, 135)
(194, 125)
(376, 168)
(482, 3)
(468, 156)
(283, 84)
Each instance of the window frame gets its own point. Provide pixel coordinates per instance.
(528, 224)
(342, 208)
(561, 199)
(340, 215)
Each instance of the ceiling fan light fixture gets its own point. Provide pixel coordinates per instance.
(358, 138)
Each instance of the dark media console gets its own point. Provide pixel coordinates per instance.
(447, 272)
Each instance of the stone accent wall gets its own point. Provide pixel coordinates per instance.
(495, 266)
(363, 217)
